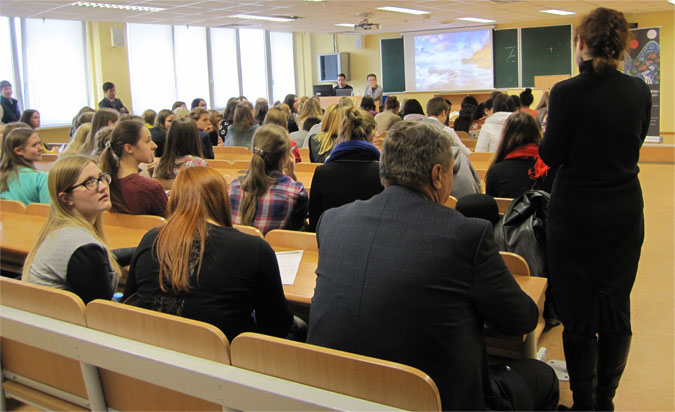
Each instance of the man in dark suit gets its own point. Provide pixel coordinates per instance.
(110, 101)
(403, 278)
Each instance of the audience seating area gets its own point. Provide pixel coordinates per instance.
(58, 354)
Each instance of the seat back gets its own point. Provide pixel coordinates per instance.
(450, 202)
(306, 167)
(51, 376)
(219, 163)
(249, 230)
(292, 239)
(462, 134)
(241, 165)
(38, 209)
(144, 222)
(516, 264)
(11, 206)
(231, 149)
(481, 160)
(503, 203)
(232, 157)
(183, 335)
(304, 154)
(358, 376)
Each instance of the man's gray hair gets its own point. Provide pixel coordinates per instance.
(410, 151)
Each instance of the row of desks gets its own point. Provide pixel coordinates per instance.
(18, 233)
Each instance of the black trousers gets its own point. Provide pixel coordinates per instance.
(526, 385)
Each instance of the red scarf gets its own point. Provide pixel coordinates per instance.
(530, 150)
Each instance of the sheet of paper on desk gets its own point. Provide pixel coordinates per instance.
(288, 265)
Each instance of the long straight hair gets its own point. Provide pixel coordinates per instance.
(243, 116)
(182, 139)
(10, 162)
(520, 129)
(63, 175)
(330, 125)
(270, 144)
(199, 193)
(311, 108)
(79, 137)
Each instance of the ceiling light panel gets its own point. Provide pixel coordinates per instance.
(265, 18)
(116, 6)
(402, 10)
(558, 12)
(476, 20)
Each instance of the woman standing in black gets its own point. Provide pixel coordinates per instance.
(597, 122)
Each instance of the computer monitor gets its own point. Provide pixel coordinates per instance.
(323, 90)
(344, 92)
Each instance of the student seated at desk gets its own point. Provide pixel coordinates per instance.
(130, 145)
(19, 179)
(517, 167)
(70, 252)
(267, 198)
(321, 144)
(403, 278)
(183, 149)
(491, 132)
(199, 267)
(352, 172)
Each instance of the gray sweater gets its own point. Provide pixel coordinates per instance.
(50, 264)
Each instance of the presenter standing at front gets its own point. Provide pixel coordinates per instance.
(597, 122)
(373, 89)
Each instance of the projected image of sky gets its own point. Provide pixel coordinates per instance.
(454, 61)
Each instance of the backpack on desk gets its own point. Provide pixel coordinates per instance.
(522, 230)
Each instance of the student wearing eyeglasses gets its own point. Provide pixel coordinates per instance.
(71, 251)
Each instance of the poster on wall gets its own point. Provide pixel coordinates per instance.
(643, 60)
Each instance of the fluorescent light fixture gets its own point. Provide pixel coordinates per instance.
(558, 12)
(116, 6)
(476, 20)
(346, 24)
(266, 18)
(402, 10)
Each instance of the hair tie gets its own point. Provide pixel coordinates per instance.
(107, 144)
(259, 151)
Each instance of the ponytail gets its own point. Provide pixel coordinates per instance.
(126, 132)
(270, 144)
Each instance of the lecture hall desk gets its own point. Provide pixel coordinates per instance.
(302, 290)
(19, 231)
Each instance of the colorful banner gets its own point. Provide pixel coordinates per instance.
(643, 60)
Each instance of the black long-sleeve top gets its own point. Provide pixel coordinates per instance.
(596, 126)
(239, 275)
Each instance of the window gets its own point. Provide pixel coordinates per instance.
(153, 84)
(54, 55)
(6, 69)
(253, 63)
(192, 70)
(169, 63)
(224, 65)
(283, 65)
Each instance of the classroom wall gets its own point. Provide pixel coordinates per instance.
(108, 63)
(367, 59)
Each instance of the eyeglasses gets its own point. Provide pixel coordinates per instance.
(92, 183)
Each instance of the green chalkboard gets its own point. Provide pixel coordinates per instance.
(505, 54)
(393, 65)
(546, 51)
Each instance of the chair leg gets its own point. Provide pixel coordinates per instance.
(581, 356)
(612, 357)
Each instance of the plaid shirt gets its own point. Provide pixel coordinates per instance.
(284, 206)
